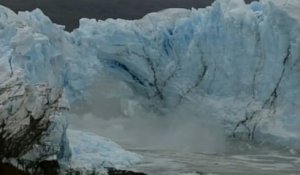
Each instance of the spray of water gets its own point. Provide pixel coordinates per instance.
(114, 111)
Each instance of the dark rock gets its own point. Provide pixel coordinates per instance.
(112, 171)
(7, 169)
(32, 129)
(43, 168)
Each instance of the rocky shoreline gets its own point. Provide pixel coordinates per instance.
(51, 169)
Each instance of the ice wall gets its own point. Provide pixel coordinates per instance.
(33, 125)
(37, 61)
(236, 60)
(240, 60)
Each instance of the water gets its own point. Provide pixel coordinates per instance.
(246, 159)
(236, 158)
(163, 142)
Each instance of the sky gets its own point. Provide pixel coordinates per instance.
(68, 12)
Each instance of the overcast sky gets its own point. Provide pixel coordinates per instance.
(68, 12)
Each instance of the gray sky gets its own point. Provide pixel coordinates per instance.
(68, 12)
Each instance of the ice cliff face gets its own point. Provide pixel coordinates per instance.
(241, 62)
(33, 127)
(44, 51)
(35, 67)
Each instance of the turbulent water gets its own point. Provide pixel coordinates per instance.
(193, 154)
(240, 158)
(270, 162)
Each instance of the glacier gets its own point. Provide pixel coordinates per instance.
(92, 151)
(33, 125)
(33, 106)
(239, 61)
(35, 138)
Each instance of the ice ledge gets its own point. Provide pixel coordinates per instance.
(90, 151)
(32, 124)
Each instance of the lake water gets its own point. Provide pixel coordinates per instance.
(241, 159)
(237, 158)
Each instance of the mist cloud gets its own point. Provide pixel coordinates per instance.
(114, 111)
